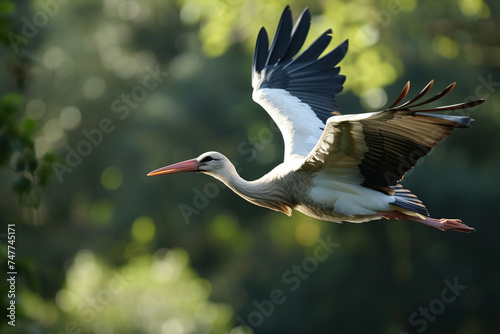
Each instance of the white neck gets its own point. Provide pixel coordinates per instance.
(266, 191)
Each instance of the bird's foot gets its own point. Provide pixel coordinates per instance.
(443, 224)
(453, 225)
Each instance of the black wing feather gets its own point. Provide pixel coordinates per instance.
(281, 39)
(313, 80)
(261, 51)
(299, 35)
(390, 154)
(314, 50)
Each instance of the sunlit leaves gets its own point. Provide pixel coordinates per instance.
(16, 131)
(223, 23)
(17, 149)
(149, 294)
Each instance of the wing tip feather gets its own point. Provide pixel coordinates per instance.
(401, 96)
(410, 104)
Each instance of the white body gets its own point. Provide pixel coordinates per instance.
(322, 197)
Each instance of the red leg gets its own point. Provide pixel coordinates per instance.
(443, 224)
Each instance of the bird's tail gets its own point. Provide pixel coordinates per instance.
(406, 200)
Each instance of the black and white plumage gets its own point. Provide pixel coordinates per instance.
(304, 86)
(336, 167)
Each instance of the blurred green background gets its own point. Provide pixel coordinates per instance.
(95, 94)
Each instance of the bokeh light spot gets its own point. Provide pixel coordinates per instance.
(374, 98)
(368, 34)
(129, 10)
(35, 109)
(66, 69)
(143, 229)
(93, 88)
(53, 58)
(172, 326)
(109, 53)
(70, 117)
(190, 13)
(445, 46)
(42, 146)
(53, 130)
(111, 178)
(307, 233)
(185, 65)
(162, 271)
(88, 271)
(474, 8)
(64, 301)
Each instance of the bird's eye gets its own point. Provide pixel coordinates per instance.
(207, 159)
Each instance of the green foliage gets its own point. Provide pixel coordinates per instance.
(17, 152)
(226, 22)
(150, 294)
(16, 131)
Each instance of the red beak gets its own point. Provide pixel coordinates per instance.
(184, 166)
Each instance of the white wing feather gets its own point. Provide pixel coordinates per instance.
(300, 127)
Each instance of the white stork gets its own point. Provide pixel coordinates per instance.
(336, 167)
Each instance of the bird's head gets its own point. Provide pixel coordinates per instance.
(213, 163)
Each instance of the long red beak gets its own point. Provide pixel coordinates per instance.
(184, 166)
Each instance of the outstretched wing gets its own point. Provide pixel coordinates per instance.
(297, 92)
(377, 149)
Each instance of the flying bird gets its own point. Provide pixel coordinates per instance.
(339, 168)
